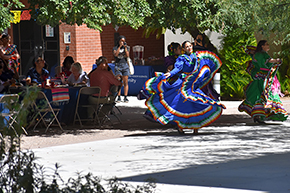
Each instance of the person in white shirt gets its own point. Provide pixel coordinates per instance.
(77, 77)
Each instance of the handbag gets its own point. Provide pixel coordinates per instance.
(131, 66)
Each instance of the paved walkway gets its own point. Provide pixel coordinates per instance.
(232, 155)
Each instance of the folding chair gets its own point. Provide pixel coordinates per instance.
(82, 103)
(115, 90)
(42, 107)
(112, 112)
(9, 113)
(107, 106)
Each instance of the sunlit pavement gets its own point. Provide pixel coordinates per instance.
(239, 157)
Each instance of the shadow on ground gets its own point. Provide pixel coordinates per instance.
(265, 173)
(132, 120)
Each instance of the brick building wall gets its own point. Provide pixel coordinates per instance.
(62, 46)
(84, 46)
(152, 46)
(87, 44)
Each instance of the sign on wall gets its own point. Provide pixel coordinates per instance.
(48, 31)
(66, 37)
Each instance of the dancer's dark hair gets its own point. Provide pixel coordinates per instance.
(259, 46)
(171, 47)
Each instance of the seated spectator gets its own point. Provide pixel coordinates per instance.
(66, 66)
(3, 85)
(8, 74)
(37, 74)
(94, 67)
(77, 77)
(104, 79)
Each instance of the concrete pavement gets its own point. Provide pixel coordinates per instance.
(231, 155)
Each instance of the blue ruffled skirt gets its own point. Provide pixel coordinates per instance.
(182, 102)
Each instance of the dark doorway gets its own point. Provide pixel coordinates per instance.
(32, 41)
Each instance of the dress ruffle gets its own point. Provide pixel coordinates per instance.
(182, 102)
(268, 106)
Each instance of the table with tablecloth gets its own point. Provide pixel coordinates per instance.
(65, 100)
(141, 75)
(136, 81)
(67, 112)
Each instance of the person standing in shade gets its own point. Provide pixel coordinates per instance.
(9, 53)
(198, 43)
(121, 53)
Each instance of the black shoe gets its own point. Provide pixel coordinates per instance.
(126, 100)
(118, 99)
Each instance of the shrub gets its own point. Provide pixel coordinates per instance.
(284, 70)
(233, 71)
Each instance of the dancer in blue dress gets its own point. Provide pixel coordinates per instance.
(182, 103)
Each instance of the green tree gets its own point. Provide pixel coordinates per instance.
(223, 16)
(95, 14)
(269, 17)
(193, 16)
(5, 14)
(190, 16)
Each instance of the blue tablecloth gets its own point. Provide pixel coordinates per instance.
(67, 112)
(3, 110)
(142, 73)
